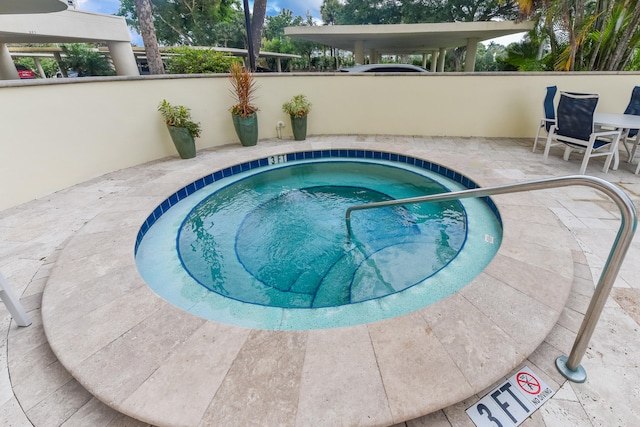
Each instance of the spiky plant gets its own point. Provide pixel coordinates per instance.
(243, 88)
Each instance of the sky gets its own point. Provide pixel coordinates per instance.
(298, 7)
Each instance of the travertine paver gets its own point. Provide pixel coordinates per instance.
(117, 359)
(30, 234)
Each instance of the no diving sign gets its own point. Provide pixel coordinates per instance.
(511, 402)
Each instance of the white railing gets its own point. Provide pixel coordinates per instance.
(570, 366)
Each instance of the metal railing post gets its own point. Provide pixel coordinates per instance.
(570, 366)
(12, 303)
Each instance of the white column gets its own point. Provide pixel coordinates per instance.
(278, 65)
(7, 67)
(470, 59)
(39, 67)
(441, 54)
(424, 59)
(123, 58)
(358, 52)
(434, 60)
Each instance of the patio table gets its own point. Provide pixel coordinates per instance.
(624, 122)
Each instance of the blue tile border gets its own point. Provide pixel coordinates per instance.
(342, 153)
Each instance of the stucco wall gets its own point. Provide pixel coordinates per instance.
(59, 133)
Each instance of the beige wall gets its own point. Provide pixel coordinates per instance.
(56, 134)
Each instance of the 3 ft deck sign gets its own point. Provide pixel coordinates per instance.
(511, 402)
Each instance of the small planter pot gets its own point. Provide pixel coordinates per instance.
(184, 142)
(246, 129)
(299, 127)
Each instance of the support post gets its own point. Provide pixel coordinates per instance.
(358, 52)
(7, 67)
(434, 60)
(470, 58)
(441, 54)
(36, 60)
(123, 58)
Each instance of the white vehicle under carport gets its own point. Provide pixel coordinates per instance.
(384, 68)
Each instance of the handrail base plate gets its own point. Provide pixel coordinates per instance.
(577, 376)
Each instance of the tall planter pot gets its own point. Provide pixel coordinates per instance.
(299, 127)
(246, 129)
(184, 142)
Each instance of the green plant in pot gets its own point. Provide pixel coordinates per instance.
(182, 128)
(298, 108)
(244, 113)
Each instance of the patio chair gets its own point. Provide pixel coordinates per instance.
(574, 129)
(631, 139)
(549, 114)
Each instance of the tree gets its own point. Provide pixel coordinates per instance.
(183, 22)
(490, 57)
(148, 33)
(257, 23)
(627, 36)
(470, 10)
(523, 57)
(360, 12)
(278, 42)
(274, 25)
(329, 10)
(85, 61)
(231, 33)
(588, 34)
(414, 11)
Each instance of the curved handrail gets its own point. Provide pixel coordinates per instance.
(568, 366)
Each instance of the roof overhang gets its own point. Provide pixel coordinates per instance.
(407, 38)
(8, 7)
(232, 51)
(68, 26)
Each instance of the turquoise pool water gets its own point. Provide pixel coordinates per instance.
(268, 247)
(279, 238)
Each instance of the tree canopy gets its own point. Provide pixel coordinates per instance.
(184, 22)
(360, 12)
(586, 35)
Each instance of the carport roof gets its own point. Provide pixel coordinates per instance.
(407, 38)
(31, 6)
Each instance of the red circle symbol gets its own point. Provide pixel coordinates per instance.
(528, 382)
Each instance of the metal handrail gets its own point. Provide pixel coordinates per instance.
(570, 366)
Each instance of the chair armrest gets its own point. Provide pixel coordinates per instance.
(607, 133)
